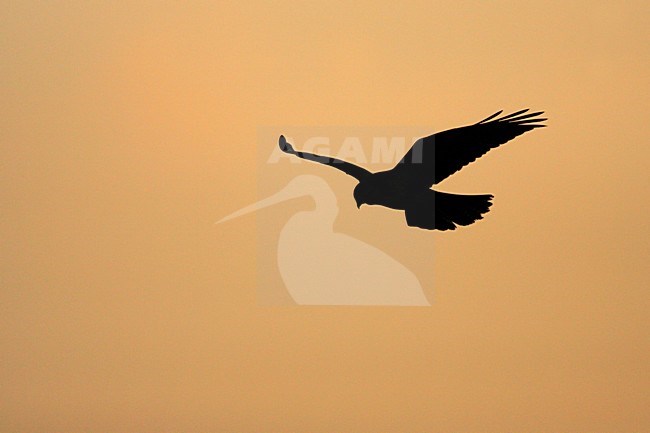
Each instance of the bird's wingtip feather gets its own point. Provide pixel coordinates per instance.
(491, 117)
(284, 146)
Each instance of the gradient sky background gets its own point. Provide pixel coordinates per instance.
(128, 129)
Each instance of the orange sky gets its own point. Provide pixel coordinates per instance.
(128, 129)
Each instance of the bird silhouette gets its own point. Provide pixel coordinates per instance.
(407, 186)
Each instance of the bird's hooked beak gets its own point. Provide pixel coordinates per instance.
(278, 197)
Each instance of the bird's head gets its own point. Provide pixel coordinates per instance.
(360, 195)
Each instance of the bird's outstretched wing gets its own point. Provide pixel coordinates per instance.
(346, 167)
(434, 158)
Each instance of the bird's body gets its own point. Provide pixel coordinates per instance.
(407, 186)
(383, 189)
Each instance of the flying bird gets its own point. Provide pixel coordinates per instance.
(407, 186)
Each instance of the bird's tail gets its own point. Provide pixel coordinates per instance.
(436, 210)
